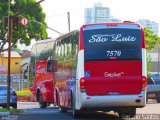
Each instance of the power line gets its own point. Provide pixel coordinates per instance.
(56, 15)
(45, 26)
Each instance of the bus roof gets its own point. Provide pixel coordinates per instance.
(67, 34)
(113, 24)
(46, 40)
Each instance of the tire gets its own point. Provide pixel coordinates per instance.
(56, 101)
(146, 100)
(14, 106)
(76, 113)
(62, 109)
(158, 100)
(128, 114)
(42, 104)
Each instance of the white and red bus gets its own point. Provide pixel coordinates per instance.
(41, 81)
(101, 67)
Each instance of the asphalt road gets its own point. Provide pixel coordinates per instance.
(31, 111)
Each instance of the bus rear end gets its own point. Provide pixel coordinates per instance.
(111, 68)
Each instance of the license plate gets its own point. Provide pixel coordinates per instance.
(151, 95)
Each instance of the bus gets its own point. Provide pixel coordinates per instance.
(41, 81)
(100, 67)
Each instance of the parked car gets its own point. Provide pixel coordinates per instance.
(153, 89)
(3, 97)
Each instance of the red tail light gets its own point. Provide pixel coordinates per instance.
(144, 82)
(143, 39)
(82, 83)
(112, 24)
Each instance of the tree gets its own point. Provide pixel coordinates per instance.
(151, 39)
(31, 31)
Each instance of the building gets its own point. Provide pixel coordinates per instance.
(15, 68)
(15, 61)
(98, 14)
(149, 24)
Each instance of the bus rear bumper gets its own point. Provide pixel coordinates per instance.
(111, 101)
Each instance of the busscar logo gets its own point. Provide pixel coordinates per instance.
(101, 38)
(114, 74)
(42, 69)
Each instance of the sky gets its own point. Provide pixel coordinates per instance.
(132, 10)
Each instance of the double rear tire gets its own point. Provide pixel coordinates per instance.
(128, 114)
(76, 113)
(14, 106)
(41, 103)
(158, 100)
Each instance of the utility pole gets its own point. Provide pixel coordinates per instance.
(10, 18)
(158, 59)
(68, 15)
(9, 55)
(9, 61)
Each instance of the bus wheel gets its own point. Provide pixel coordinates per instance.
(76, 113)
(56, 101)
(42, 104)
(62, 109)
(158, 99)
(128, 114)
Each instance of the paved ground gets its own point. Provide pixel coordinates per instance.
(31, 111)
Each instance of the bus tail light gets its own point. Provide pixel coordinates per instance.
(112, 24)
(82, 83)
(144, 82)
(143, 40)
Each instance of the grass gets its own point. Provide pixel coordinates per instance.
(23, 93)
(12, 110)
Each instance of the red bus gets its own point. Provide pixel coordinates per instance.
(41, 81)
(101, 67)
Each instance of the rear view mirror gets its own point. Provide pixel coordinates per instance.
(49, 66)
(25, 76)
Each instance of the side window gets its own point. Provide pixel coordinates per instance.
(58, 48)
(55, 51)
(62, 50)
(76, 36)
(74, 45)
(67, 48)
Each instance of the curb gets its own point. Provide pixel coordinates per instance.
(4, 114)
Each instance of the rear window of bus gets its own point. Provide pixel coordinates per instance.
(112, 38)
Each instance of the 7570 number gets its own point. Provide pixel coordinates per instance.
(114, 53)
